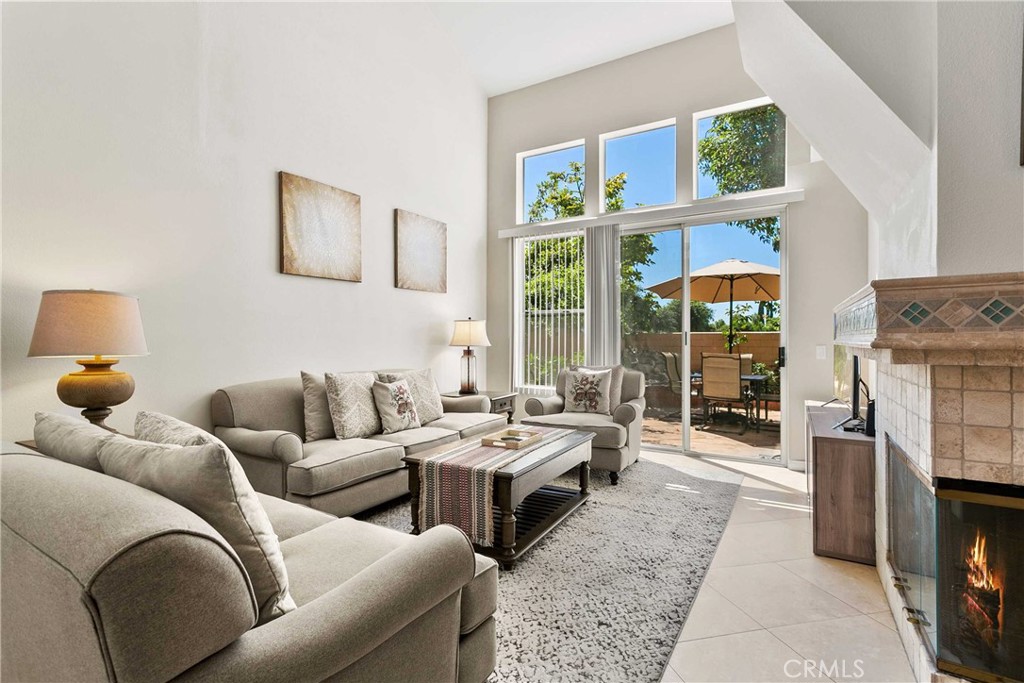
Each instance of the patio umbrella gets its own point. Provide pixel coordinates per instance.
(729, 280)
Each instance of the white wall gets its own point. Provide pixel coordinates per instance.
(872, 38)
(872, 150)
(827, 232)
(141, 146)
(980, 179)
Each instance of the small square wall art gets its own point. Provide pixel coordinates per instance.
(321, 232)
(421, 253)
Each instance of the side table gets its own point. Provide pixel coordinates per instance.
(501, 401)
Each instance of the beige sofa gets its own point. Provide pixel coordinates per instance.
(104, 580)
(617, 437)
(263, 423)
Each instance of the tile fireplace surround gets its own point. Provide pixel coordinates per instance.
(949, 381)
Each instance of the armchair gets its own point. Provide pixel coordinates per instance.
(616, 445)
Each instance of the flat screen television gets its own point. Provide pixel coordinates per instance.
(846, 382)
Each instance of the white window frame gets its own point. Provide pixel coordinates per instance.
(728, 109)
(603, 138)
(521, 157)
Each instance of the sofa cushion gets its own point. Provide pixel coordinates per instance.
(470, 424)
(291, 519)
(607, 434)
(420, 439)
(209, 481)
(315, 409)
(353, 411)
(331, 464)
(329, 555)
(70, 439)
(424, 391)
(160, 428)
(396, 406)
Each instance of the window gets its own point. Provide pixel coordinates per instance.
(741, 148)
(639, 166)
(550, 307)
(551, 182)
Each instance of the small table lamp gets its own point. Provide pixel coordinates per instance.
(77, 322)
(469, 333)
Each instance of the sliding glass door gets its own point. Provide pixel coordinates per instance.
(651, 323)
(701, 318)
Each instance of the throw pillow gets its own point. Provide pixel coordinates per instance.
(396, 406)
(587, 391)
(315, 408)
(70, 439)
(160, 428)
(353, 411)
(209, 481)
(424, 392)
(615, 388)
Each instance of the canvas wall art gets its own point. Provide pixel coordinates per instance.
(421, 253)
(321, 232)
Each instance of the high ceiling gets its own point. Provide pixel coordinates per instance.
(510, 45)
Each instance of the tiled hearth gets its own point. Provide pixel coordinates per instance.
(949, 383)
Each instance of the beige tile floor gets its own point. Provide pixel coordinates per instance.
(769, 609)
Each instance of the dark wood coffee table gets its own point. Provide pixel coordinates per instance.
(526, 505)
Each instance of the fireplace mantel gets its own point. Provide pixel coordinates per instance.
(942, 320)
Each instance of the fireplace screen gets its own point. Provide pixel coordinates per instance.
(981, 581)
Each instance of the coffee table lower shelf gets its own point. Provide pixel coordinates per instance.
(539, 513)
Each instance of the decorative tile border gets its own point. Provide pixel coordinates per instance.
(981, 316)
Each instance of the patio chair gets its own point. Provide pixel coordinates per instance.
(674, 370)
(722, 384)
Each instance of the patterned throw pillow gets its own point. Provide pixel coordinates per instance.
(615, 388)
(353, 411)
(396, 406)
(424, 392)
(588, 391)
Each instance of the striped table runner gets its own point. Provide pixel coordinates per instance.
(457, 486)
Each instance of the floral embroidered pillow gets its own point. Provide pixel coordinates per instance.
(588, 391)
(396, 406)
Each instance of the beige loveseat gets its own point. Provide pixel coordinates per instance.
(616, 443)
(263, 423)
(104, 580)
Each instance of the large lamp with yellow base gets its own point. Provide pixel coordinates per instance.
(85, 322)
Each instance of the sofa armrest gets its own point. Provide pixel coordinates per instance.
(323, 637)
(629, 411)
(466, 404)
(272, 444)
(544, 405)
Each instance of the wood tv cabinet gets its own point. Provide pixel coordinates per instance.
(841, 486)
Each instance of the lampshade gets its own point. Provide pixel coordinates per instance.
(470, 333)
(87, 322)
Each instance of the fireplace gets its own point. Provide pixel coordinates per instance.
(980, 587)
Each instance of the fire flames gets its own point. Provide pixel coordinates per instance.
(982, 596)
(978, 574)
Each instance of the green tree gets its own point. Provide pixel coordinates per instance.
(745, 151)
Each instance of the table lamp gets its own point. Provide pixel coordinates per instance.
(87, 322)
(469, 333)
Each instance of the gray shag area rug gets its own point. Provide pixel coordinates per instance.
(603, 596)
